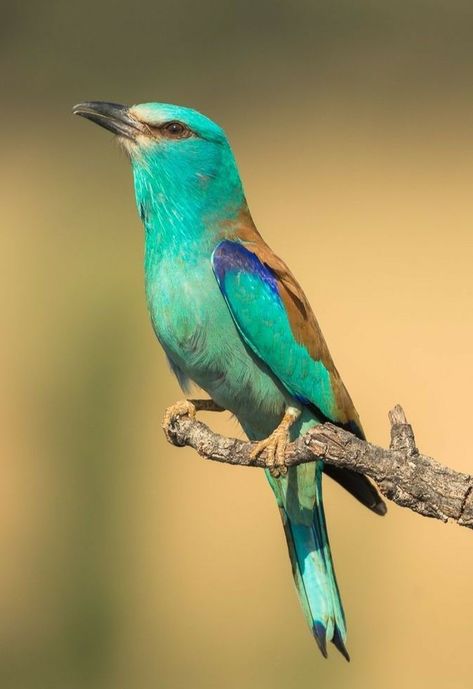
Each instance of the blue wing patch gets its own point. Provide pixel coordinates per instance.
(234, 257)
(251, 291)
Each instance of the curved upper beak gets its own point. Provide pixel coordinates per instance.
(112, 116)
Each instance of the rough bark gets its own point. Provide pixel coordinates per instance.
(401, 473)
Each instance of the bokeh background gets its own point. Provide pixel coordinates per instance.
(127, 564)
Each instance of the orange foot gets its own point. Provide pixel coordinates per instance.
(276, 443)
(186, 408)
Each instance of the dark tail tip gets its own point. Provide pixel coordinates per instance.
(380, 508)
(318, 631)
(338, 643)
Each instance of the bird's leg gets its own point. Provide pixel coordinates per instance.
(276, 443)
(187, 408)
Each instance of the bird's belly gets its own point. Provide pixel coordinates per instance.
(198, 334)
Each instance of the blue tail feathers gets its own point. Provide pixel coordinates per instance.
(309, 550)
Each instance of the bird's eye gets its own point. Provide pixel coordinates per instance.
(175, 130)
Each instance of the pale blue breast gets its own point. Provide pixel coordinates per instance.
(197, 332)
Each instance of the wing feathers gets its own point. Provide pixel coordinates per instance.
(253, 255)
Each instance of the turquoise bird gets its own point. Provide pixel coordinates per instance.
(232, 319)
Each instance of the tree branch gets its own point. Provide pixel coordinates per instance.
(402, 474)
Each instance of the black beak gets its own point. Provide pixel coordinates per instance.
(112, 116)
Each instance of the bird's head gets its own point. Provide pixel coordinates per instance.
(176, 152)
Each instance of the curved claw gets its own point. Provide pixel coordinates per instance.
(186, 408)
(181, 408)
(275, 447)
(276, 443)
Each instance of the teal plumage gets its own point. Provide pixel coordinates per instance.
(232, 319)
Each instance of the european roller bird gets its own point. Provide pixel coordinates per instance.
(232, 319)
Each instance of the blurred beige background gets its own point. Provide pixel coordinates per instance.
(127, 564)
